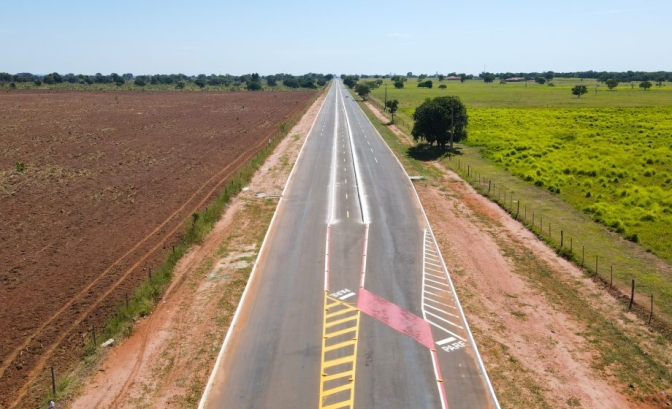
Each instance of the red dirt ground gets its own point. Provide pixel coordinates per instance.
(109, 180)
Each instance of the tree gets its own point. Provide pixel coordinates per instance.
(179, 85)
(441, 120)
(200, 82)
(659, 81)
(579, 90)
(138, 81)
(441, 77)
(392, 107)
(425, 84)
(271, 81)
(398, 84)
(645, 85)
(549, 75)
(409, 74)
(611, 84)
(422, 77)
(540, 80)
(362, 90)
(463, 77)
(254, 85)
(290, 82)
(350, 82)
(487, 77)
(443, 86)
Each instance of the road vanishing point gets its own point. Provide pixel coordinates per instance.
(350, 304)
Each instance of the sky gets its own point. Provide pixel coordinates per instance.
(351, 37)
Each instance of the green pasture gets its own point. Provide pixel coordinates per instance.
(477, 94)
(561, 163)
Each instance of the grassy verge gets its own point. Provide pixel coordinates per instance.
(148, 293)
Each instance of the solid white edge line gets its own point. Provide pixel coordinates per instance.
(243, 298)
(457, 301)
(439, 381)
(348, 295)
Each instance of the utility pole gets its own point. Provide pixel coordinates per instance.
(385, 107)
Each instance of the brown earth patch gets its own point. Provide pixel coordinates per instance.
(109, 179)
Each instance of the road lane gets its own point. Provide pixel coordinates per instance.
(349, 216)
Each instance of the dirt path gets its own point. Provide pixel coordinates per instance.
(167, 360)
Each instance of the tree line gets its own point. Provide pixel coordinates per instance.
(252, 81)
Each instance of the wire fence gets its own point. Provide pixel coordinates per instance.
(636, 297)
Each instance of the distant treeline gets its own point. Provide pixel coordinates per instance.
(252, 82)
(602, 76)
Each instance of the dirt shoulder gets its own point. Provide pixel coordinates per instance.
(549, 336)
(167, 361)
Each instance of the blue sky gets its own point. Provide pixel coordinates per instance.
(424, 36)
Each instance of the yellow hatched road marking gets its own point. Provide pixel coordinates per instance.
(340, 330)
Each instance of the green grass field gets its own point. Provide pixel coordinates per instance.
(606, 158)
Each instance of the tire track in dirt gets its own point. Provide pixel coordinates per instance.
(41, 362)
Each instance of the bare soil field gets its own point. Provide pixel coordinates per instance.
(103, 188)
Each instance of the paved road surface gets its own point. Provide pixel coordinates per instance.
(350, 304)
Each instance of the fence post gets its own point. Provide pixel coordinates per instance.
(571, 244)
(651, 313)
(632, 295)
(596, 273)
(517, 209)
(489, 185)
(53, 382)
(550, 235)
(583, 255)
(611, 279)
(93, 330)
(562, 238)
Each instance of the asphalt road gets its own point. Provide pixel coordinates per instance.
(350, 304)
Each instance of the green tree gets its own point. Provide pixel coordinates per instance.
(254, 85)
(398, 84)
(645, 85)
(463, 77)
(425, 84)
(138, 81)
(200, 82)
(392, 107)
(350, 82)
(443, 86)
(579, 90)
(487, 77)
(179, 85)
(441, 77)
(549, 75)
(362, 90)
(441, 120)
(290, 82)
(271, 81)
(540, 80)
(659, 81)
(611, 83)
(38, 83)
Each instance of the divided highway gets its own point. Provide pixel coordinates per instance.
(350, 304)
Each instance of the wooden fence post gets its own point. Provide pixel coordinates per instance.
(53, 382)
(562, 238)
(632, 295)
(651, 313)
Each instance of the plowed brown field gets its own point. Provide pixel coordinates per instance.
(109, 180)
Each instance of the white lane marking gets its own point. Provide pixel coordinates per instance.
(346, 195)
(364, 251)
(438, 283)
(332, 177)
(367, 142)
(326, 260)
(371, 149)
(444, 320)
(436, 288)
(445, 330)
(439, 302)
(442, 311)
(376, 160)
(439, 380)
(347, 212)
(446, 340)
(345, 297)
